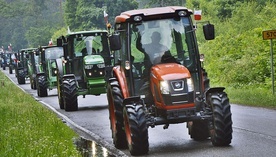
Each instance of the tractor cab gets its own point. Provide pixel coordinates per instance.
(160, 52)
(158, 79)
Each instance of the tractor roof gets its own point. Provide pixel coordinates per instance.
(27, 49)
(86, 33)
(45, 47)
(151, 12)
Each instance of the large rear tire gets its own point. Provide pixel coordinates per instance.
(136, 129)
(115, 105)
(70, 95)
(42, 86)
(221, 129)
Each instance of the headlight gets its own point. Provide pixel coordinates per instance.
(164, 87)
(190, 84)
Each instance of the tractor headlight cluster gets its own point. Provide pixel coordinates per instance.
(164, 87)
(190, 84)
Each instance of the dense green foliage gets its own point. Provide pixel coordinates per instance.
(87, 15)
(28, 23)
(239, 56)
(30, 129)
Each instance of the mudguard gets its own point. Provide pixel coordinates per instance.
(69, 76)
(213, 90)
(40, 74)
(131, 100)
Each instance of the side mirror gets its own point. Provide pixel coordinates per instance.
(209, 31)
(115, 42)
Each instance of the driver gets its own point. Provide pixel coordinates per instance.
(154, 50)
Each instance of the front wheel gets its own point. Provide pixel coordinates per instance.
(70, 95)
(42, 86)
(136, 129)
(21, 77)
(221, 126)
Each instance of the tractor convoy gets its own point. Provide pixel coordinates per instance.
(150, 68)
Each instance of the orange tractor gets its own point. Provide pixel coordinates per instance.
(158, 79)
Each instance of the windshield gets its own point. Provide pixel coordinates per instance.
(53, 52)
(156, 40)
(88, 45)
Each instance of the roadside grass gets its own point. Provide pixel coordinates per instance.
(252, 96)
(27, 128)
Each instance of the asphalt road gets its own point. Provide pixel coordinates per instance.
(254, 129)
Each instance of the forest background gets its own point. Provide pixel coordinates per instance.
(238, 59)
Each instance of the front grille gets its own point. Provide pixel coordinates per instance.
(178, 93)
(95, 72)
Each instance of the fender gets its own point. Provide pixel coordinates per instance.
(131, 100)
(69, 76)
(40, 74)
(213, 90)
(122, 81)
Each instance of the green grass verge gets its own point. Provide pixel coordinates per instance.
(27, 128)
(252, 96)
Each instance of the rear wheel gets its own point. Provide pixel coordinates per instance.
(221, 129)
(136, 129)
(115, 104)
(70, 96)
(42, 86)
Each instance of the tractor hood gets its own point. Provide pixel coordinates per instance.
(170, 71)
(93, 59)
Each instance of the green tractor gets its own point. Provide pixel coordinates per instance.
(21, 68)
(84, 68)
(46, 77)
